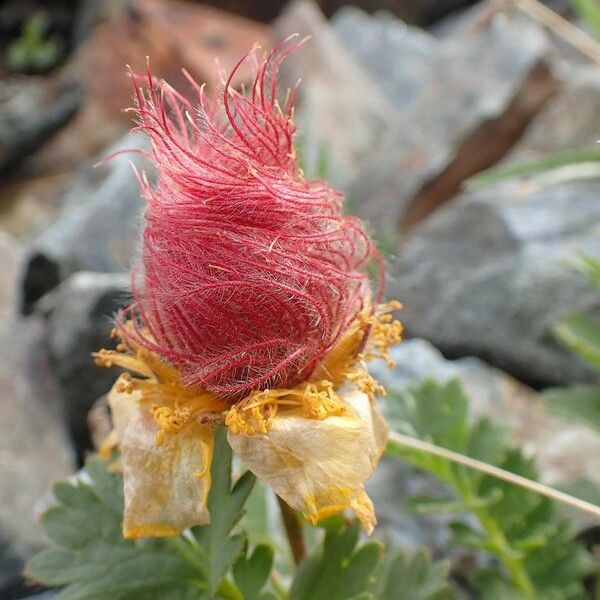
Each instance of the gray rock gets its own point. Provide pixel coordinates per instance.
(401, 59)
(32, 109)
(470, 99)
(569, 121)
(339, 103)
(11, 255)
(491, 273)
(79, 317)
(97, 229)
(562, 451)
(35, 450)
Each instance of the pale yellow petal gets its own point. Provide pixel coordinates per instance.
(123, 407)
(166, 487)
(319, 467)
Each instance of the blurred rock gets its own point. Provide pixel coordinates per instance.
(32, 109)
(98, 227)
(174, 35)
(30, 204)
(471, 100)
(401, 59)
(11, 254)
(490, 274)
(569, 121)
(79, 321)
(35, 450)
(421, 12)
(340, 110)
(562, 451)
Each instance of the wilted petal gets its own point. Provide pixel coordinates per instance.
(166, 486)
(319, 467)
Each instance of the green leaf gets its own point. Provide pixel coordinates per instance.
(415, 577)
(256, 515)
(537, 552)
(251, 573)
(590, 267)
(579, 403)
(93, 560)
(339, 571)
(225, 504)
(536, 167)
(582, 335)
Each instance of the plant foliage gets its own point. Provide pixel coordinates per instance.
(93, 561)
(581, 334)
(537, 551)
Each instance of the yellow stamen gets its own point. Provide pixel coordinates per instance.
(169, 420)
(317, 398)
(173, 405)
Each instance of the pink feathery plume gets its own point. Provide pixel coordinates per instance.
(250, 273)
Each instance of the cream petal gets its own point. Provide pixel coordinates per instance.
(166, 487)
(319, 466)
(123, 408)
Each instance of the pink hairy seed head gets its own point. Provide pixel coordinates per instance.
(250, 273)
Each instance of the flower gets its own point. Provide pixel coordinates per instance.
(251, 310)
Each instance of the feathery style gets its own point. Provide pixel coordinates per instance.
(251, 273)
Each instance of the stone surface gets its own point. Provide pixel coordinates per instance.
(472, 98)
(569, 121)
(340, 110)
(421, 12)
(30, 204)
(97, 229)
(35, 450)
(79, 315)
(32, 109)
(491, 273)
(11, 256)
(562, 451)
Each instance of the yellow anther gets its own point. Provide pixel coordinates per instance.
(169, 420)
(385, 333)
(125, 384)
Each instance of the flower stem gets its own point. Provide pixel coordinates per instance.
(293, 530)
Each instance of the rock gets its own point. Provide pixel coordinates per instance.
(421, 12)
(32, 109)
(30, 204)
(472, 98)
(79, 321)
(562, 451)
(491, 273)
(339, 104)
(11, 254)
(97, 229)
(35, 450)
(569, 121)
(400, 58)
